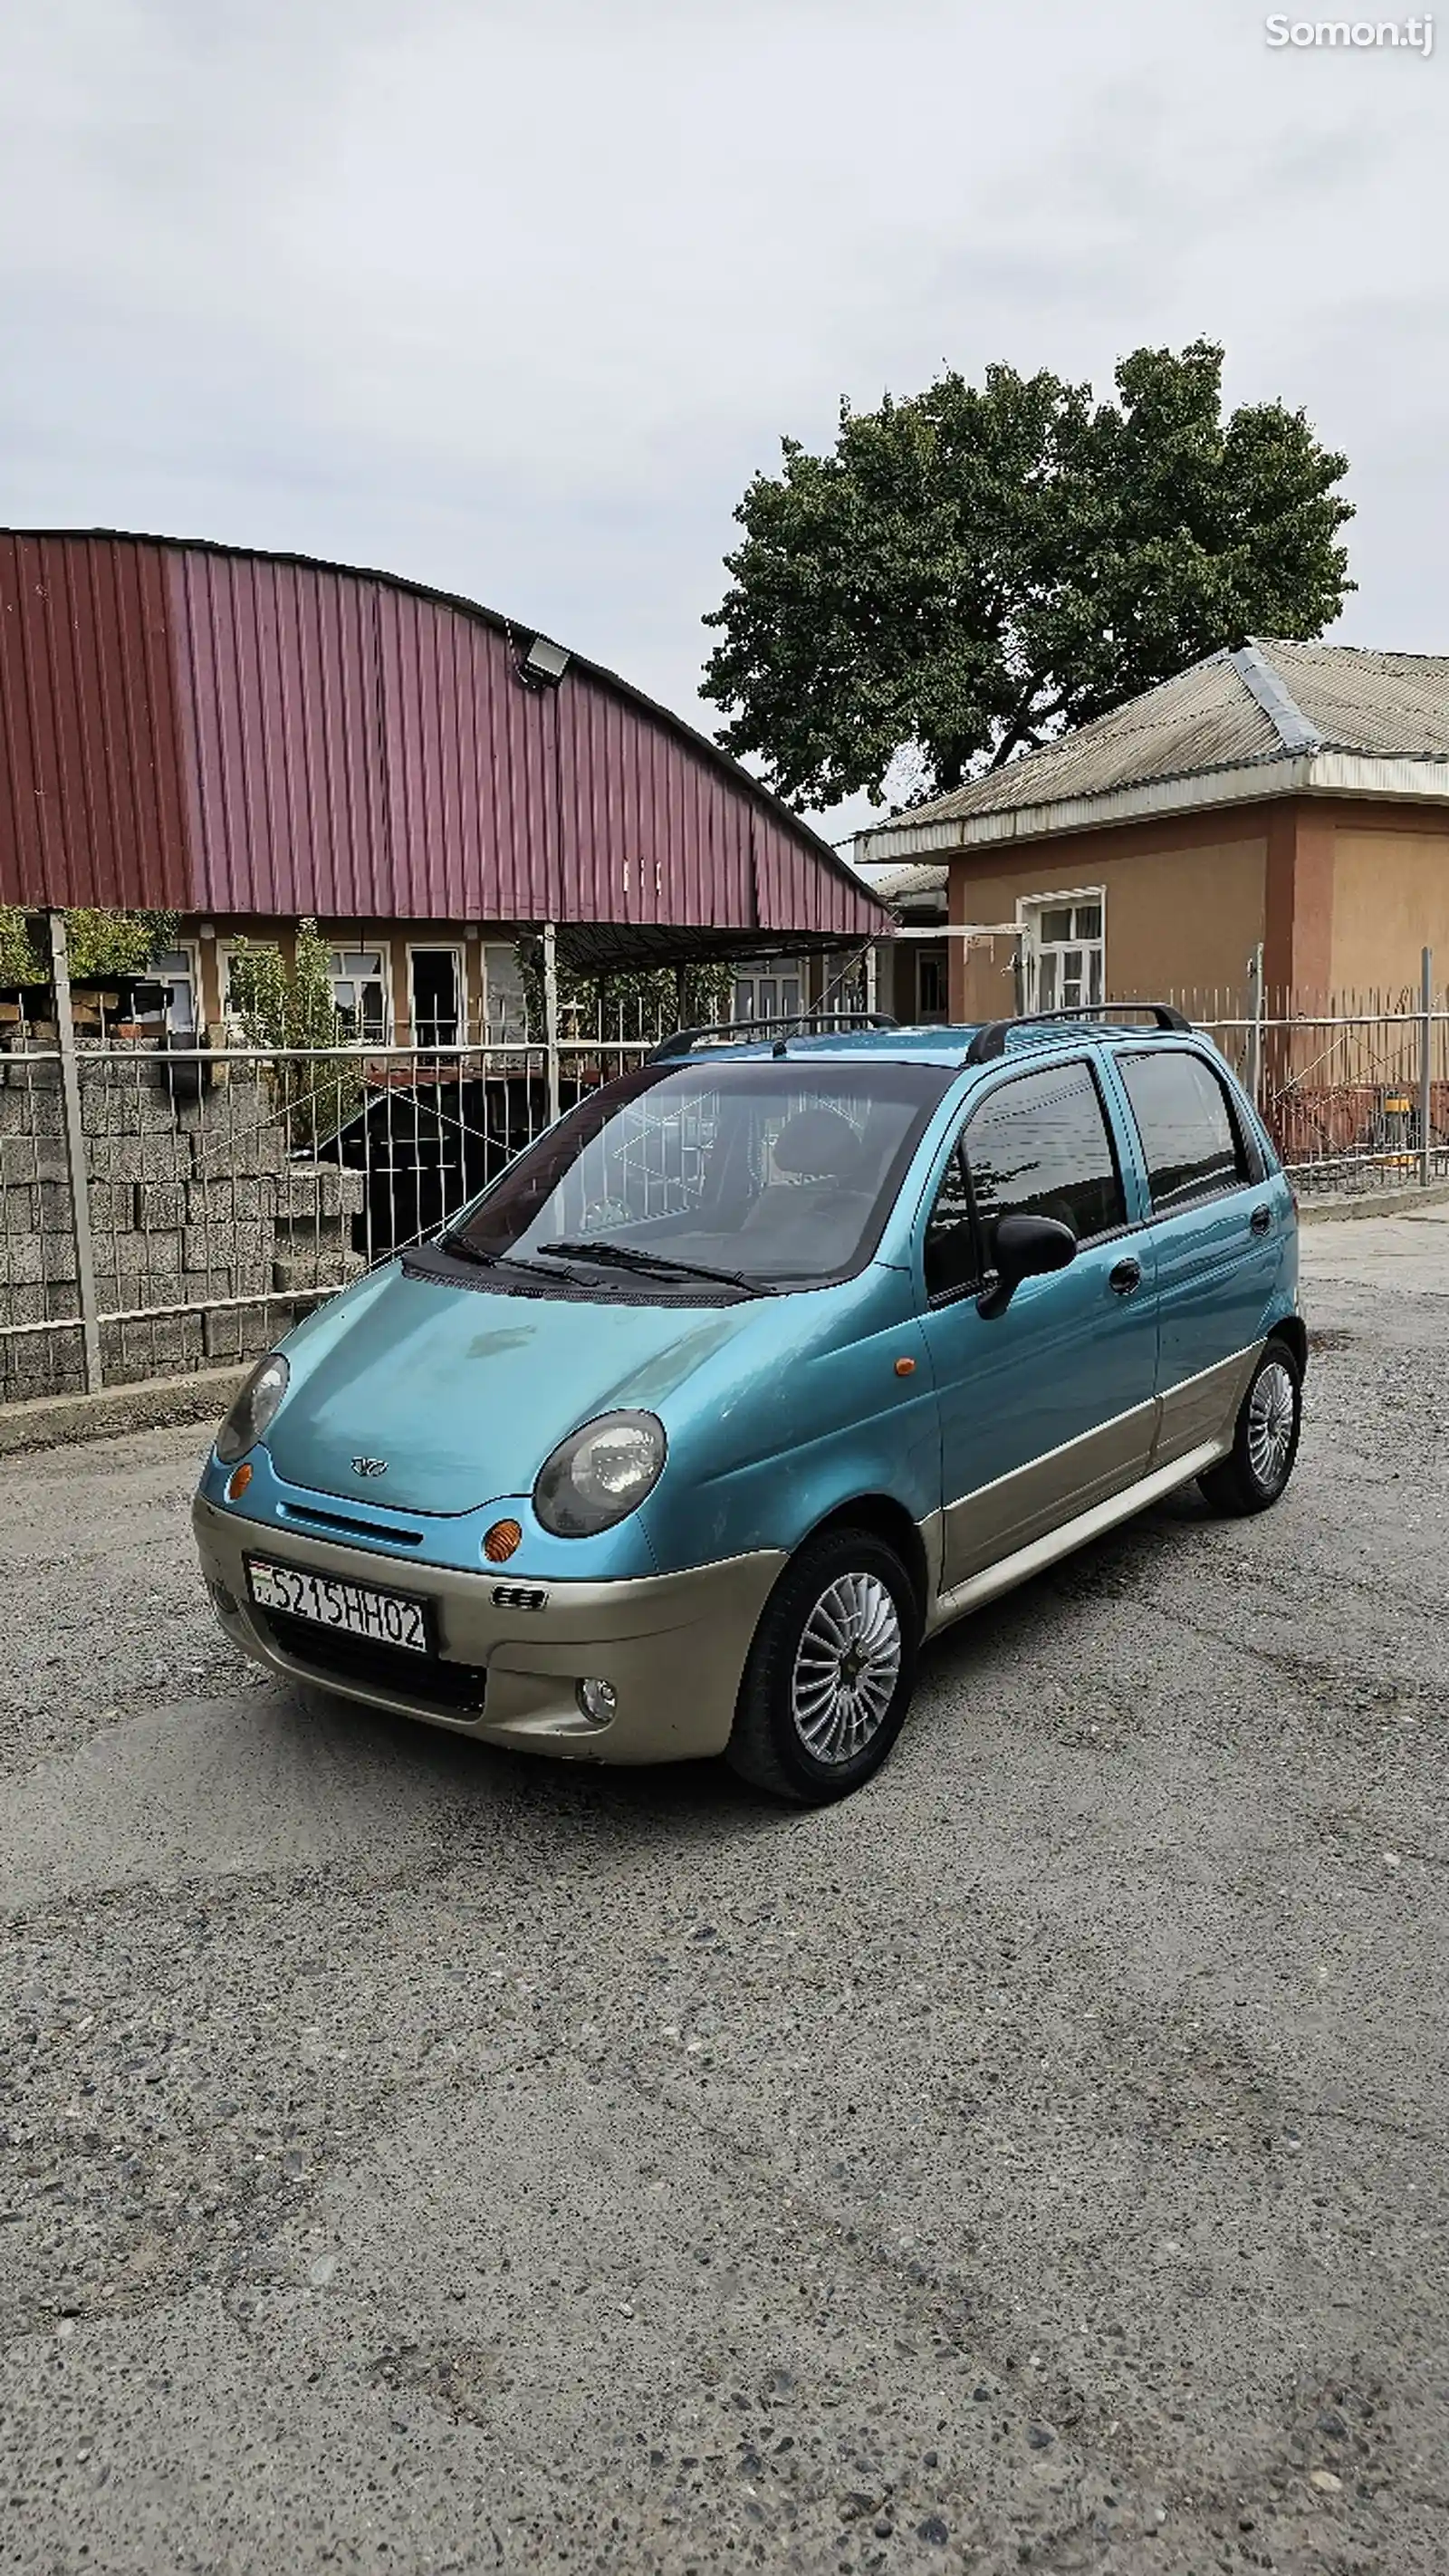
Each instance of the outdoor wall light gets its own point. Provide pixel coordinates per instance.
(545, 663)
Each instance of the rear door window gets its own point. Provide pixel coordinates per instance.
(1191, 1141)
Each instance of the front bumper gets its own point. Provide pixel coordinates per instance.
(673, 1645)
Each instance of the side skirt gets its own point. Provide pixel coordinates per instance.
(1027, 1561)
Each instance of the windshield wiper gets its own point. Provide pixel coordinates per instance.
(464, 1250)
(628, 1256)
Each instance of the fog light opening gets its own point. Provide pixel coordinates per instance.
(597, 1701)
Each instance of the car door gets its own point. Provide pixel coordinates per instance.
(1048, 1407)
(1218, 1229)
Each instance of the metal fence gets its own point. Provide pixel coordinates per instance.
(1353, 1088)
(162, 1209)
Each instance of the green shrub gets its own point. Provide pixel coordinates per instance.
(283, 1008)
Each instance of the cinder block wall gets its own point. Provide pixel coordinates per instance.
(195, 1198)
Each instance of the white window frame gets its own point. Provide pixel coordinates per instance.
(190, 949)
(434, 948)
(340, 945)
(1029, 907)
(755, 970)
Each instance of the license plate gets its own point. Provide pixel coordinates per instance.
(388, 1618)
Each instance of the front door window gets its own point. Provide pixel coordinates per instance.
(1047, 1408)
(1040, 1146)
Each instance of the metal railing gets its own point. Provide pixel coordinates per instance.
(163, 1208)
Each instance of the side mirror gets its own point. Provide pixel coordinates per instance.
(1024, 1247)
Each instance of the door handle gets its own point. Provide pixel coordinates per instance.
(1260, 1220)
(1126, 1276)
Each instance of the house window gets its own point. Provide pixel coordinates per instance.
(769, 992)
(179, 970)
(1065, 951)
(359, 994)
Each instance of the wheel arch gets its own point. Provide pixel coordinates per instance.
(886, 1519)
(1292, 1331)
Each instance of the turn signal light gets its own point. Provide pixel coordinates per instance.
(237, 1483)
(500, 1542)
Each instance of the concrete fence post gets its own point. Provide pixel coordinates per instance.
(75, 1152)
(1426, 1068)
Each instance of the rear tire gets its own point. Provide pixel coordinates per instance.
(1265, 1440)
(831, 1671)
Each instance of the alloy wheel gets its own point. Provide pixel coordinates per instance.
(1272, 1414)
(847, 1666)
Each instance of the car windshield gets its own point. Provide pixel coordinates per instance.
(774, 1172)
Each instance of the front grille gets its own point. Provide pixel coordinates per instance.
(353, 1528)
(334, 1656)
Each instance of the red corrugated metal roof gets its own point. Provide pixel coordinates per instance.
(90, 777)
(189, 726)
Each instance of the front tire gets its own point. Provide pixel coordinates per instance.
(1265, 1438)
(831, 1671)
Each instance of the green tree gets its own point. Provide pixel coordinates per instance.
(970, 571)
(97, 943)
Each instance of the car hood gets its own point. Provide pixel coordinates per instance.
(464, 1394)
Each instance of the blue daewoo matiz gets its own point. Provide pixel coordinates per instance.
(758, 1367)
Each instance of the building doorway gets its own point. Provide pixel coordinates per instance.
(435, 996)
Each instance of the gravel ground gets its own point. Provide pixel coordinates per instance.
(414, 2158)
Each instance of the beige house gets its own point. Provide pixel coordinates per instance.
(1287, 802)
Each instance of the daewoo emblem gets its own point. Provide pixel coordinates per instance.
(369, 1466)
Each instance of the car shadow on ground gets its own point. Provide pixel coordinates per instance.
(703, 1801)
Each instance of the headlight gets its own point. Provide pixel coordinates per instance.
(253, 1409)
(600, 1474)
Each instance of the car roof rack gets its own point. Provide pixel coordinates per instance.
(990, 1042)
(684, 1041)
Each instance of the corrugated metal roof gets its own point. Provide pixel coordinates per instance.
(910, 882)
(1271, 704)
(195, 727)
(1392, 705)
(897, 884)
(91, 809)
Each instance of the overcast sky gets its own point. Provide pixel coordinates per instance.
(514, 295)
